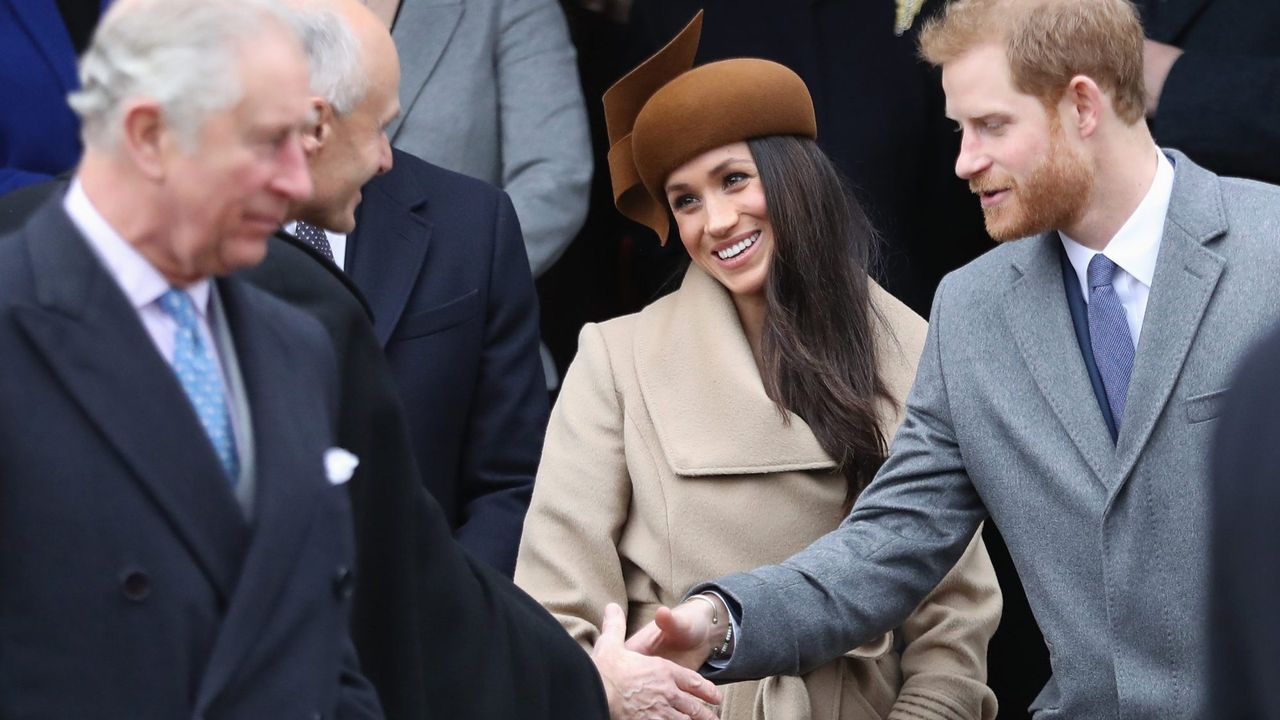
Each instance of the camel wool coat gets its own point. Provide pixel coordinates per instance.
(666, 464)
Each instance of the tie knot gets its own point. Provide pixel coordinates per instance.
(1101, 270)
(179, 306)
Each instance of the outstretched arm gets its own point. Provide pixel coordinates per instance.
(906, 531)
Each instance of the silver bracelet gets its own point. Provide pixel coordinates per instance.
(722, 652)
(715, 612)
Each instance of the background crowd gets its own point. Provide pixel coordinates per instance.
(480, 266)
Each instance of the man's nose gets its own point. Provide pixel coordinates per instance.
(972, 160)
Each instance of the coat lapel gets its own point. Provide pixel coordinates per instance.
(422, 32)
(1186, 274)
(704, 393)
(1036, 309)
(43, 23)
(91, 337)
(287, 485)
(386, 253)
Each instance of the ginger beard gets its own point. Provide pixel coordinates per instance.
(1052, 197)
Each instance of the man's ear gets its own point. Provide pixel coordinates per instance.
(147, 139)
(1084, 104)
(320, 131)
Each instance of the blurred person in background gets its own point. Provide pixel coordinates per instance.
(39, 43)
(490, 89)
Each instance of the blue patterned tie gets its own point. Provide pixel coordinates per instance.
(201, 380)
(1109, 334)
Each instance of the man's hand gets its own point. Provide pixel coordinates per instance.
(647, 688)
(1157, 60)
(684, 635)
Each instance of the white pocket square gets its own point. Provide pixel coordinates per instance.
(339, 465)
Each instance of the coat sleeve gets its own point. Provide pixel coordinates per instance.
(509, 413)
(944, 660)
(546, 147)
(569, 553)
(906, 531)
(1224, 112)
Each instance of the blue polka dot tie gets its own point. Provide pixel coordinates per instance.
(1109, 334)
(201, 380)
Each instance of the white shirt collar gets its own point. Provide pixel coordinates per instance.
(141, 282)
(1136, 245)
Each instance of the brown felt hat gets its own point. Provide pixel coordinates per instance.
(666, 112)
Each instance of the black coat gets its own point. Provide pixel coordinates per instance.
(131, 583)
(1244, 626)
(439, 633)
(441, 260)
(1221, 102)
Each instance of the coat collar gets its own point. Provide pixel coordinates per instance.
(89, 334)
(704, 394)
(287, 469)
(386, 251)
(329, 266)
(1187, 272)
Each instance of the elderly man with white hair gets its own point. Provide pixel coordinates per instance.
(176, 540)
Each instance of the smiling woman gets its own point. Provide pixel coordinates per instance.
(733, 422)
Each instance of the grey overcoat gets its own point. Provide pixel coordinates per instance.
(1109, 539)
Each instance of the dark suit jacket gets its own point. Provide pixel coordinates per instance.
(131, 584)
(441, 634)
(440, 259)
(1244, 627)
(1219, 104)
(39, 135)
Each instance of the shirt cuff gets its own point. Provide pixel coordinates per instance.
(734, 622)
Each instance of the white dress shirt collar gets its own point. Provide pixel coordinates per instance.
(141, 282)
(1137, 244)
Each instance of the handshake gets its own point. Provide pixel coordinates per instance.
(653, 674)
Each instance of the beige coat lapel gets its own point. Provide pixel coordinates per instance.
(705, 395)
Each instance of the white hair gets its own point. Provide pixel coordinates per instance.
(183, 54)
(333, 54)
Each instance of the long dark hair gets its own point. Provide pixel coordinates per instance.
(818, 346)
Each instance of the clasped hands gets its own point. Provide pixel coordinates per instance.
(653, 675)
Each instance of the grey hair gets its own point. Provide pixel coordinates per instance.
(183, 54)
(334, 56)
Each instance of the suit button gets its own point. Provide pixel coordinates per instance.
(343, 582)
(136, 585)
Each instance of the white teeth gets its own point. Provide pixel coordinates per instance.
(738, 247)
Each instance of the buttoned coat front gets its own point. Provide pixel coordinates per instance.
(666, 463)
(131, 583)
